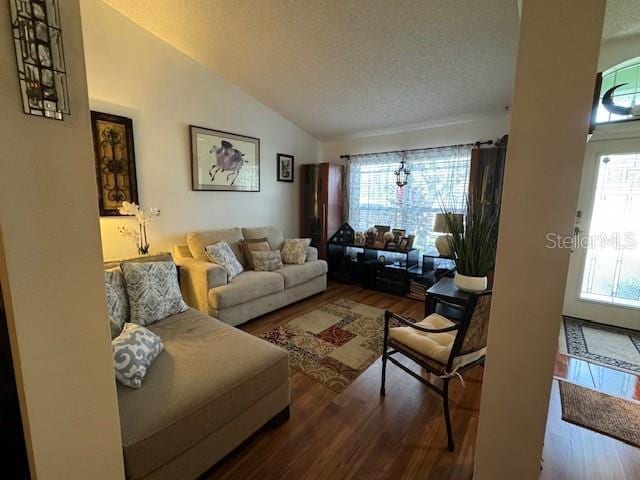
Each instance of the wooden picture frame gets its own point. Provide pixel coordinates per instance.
(286, 167)
(380, 241)
(115, 161)
(398, 233)
(224, 161)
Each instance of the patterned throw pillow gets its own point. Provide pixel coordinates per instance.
(294, 250)
(117, 298)
(251, 245)
(267, 261)
(153, 291)
(221, 254)
(115, 329)
(133, 352)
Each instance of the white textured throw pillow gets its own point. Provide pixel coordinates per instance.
(133, 352)
(153, 289)
(221, 254)
(294, 250)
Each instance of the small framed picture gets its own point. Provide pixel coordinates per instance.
(403, 245)
(285, 168)
(398, 233)
(410, 240)
(379, 242)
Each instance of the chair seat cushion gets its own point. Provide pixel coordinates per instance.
(249, 285)
(208, 374)
(436, 346)
(299, 274)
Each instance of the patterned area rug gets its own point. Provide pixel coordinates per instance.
(334, 343)
(612, 347)
(602, 413)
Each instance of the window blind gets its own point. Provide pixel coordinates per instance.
(437, 175)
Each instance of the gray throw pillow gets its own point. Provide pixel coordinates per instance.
(154, 292)
(117, 298)
(221, 254)
(115, 329)
(133, 352)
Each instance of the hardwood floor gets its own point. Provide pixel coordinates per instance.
(357, 434)
(572, 452)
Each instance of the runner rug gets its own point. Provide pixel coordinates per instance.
(606, 345)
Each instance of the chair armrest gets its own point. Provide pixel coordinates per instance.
(312, 254)
(197, 277)
(403, 320)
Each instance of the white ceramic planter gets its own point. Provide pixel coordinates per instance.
(470, 284)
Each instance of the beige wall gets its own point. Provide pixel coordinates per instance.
(617, 51)
(458, 131)
(133, 73)
(546, 150)
(52, 274)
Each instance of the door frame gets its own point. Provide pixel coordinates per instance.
(609, 139)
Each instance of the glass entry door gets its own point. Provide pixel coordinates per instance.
(604, 276)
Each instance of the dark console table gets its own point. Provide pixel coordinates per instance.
(446, 290)
(353, 263)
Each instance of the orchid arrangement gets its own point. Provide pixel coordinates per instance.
(144, 217)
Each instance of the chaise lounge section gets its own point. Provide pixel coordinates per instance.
(211, 388)
(250, 294)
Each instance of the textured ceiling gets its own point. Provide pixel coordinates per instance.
(622, 19)
(340, 67)
(335, 67)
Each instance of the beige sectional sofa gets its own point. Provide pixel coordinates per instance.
(250, 294)
(209, 390)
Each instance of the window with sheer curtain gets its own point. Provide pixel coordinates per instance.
(437, 174)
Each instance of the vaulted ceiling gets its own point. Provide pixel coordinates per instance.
(339, 67)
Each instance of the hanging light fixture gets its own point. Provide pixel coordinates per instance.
(402, 173)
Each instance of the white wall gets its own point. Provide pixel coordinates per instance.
(52, 278)
(133, 73)
(459, 132)
(617, 51)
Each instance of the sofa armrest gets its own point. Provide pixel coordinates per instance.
(197, 277)
(312, 254)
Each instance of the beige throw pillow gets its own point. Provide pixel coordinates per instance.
(267, 261)
(294, 250)
(254, 245)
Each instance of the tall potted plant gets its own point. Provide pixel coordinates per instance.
(473, 244)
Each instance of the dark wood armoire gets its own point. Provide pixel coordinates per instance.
(321, 203)
(487, 176)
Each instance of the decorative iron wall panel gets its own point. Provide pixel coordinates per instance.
(115, 161)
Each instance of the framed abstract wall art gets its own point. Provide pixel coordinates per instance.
(285, 168)
(115, 161)
(223, 161)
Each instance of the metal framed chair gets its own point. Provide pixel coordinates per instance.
(444, 346)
